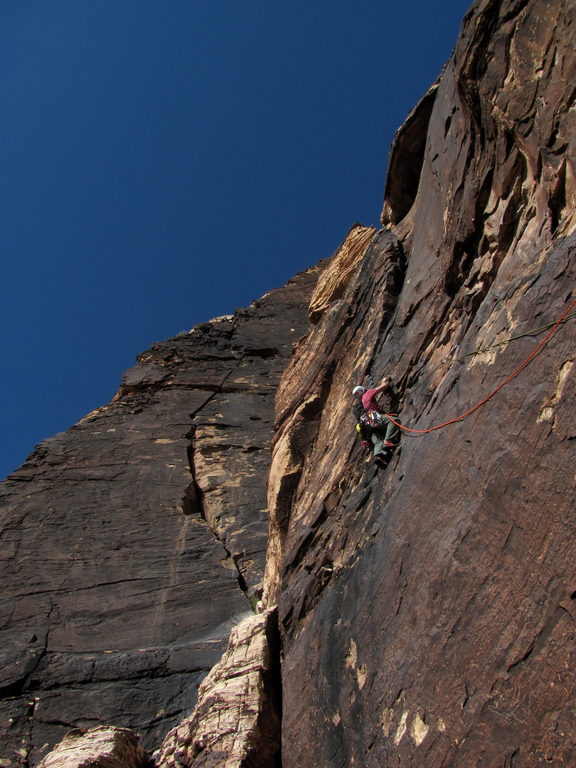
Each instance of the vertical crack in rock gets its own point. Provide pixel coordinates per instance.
(313, 406)
(106, 498)
(33, 703)
(24, 689)
(193, 504)
(417, 572)
(451, 571)
(237, 720)
(194, 498)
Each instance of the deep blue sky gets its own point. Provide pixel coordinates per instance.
(167, 161)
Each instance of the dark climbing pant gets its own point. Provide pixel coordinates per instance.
(389, 433)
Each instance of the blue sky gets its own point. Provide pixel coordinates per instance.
(165, 162)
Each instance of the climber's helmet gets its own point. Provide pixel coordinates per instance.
(358, 391)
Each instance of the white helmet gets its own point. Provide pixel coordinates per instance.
(358, 390)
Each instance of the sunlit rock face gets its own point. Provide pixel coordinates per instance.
(102, 747)
(132, 542)
(427, 612)
(237, 720)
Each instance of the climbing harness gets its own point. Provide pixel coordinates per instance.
(372, 420)
(553, 328)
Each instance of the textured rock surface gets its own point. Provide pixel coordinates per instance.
(427, 613)
(121, 567)
(102, 747)
(236, 723)
(314, 404)
(332, 282)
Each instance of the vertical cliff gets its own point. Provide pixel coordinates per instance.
(427, 612)
(132, 542)
(423, 615)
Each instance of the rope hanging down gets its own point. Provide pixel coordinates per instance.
(514, 373)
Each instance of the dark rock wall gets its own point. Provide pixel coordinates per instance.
(427, 612)
(133, 541)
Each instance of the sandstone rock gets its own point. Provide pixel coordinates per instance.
(236, 723)
(102, 747)
(133, 541)
(427, 612)
(333, 280)
(313, 401)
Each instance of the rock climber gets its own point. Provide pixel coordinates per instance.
(370, 408)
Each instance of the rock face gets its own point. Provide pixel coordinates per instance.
(426, 612)
(236, 723)
(102, 747)
(132, 542)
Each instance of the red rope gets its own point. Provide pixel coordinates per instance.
(521, 367)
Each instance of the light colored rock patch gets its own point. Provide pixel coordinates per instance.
(546, 414)
(547, 410)
(333, 281)
(419, 730)
(487, 352)
(386, 721)
(104, 747)
(235, 718)
(401, 730)
(361, 675)
(352, 655)
(562, 377)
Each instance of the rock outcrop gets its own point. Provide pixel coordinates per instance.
(423, 615)
(134, 541)
(236, 722)
(102, 747)
(427, 612)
